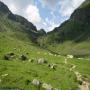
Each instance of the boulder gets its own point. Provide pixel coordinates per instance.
(70, 56)
(36, 82)
(41, 61)
(4, 75)
(8, 56)
(52, 66)
(31, 60)
(23, 57)
(11, 54)
(47, 86)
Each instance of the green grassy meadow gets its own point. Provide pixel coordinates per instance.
(21, 73)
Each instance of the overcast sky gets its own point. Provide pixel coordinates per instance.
(45, 14)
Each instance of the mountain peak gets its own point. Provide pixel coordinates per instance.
(3, 8)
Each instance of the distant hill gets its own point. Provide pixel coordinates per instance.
(72, 36)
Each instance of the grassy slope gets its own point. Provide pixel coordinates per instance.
(19, 72)
(87, 2)
(68, 47)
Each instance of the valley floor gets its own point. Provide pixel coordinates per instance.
(59, 72)
(64, 77)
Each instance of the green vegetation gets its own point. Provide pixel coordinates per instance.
(18, 38)
(19, 72)
(87, 2)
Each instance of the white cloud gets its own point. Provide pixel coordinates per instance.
(50, 3)
(13, 8)
(68, 6)
(50, 24)
(32, 14)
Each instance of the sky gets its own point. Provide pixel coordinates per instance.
(46, 14)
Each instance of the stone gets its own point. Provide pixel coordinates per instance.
(23, 57)
(31, 60)
(7, 57)
(4, 75)
(36, 82)
(52, 66)
(11, 54)
(47, 86)
(41, 61)
(70, 56)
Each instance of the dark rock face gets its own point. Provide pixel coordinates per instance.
(28, 25)
(82, 14)
(4, 8)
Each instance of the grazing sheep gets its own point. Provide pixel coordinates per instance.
(47, 86)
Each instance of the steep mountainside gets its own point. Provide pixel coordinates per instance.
(16, 25)
(74, 32)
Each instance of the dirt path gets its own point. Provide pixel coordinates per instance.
(83, 85)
